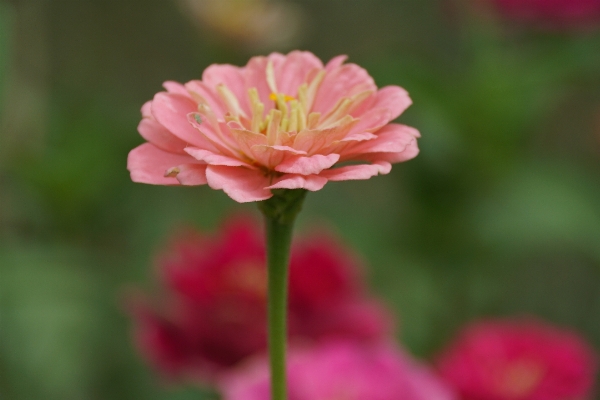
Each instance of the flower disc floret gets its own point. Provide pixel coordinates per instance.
(280, 122)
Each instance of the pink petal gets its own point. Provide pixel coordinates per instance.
(241, 184)
(246, 140)
(345, 81)
(271, 156)
(171, 111)
(208, 95)
(255, 76)
(359, 137)
(176, 88)
(410, 152)
(307, 165)
(158, 135)
(335, 62)
(217, 139)
(192, 174)
(372, 120)
(147, 164)
(393, 98)
(214, 159)
(315, 140)
(293, 71)
(147, 109)
(357, 172)
(310, 182)
(232, 77)
(392, 138)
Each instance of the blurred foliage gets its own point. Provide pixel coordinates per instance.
(498, 215)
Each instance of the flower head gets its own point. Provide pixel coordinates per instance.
(518, 360)
(280, 122)
(213, 310)
(341, 370)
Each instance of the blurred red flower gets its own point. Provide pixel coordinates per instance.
(212, 313)
(557, 13)
(519, 360)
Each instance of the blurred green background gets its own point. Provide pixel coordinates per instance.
(499, 214)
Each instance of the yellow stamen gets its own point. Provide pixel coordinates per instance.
(258, 109)
(273, 127)
(273, 96)
(270, 72)
(301, 118)
(293, 123)
(281, 105)
(284, 124)
(231, 102)
(339, 111)
(302, 89)
(265, 123)
(311, 91)
(313, 120)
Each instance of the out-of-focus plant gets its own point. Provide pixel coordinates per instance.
(249, 25)
(210, 311)
(6, 27)
(555, 14)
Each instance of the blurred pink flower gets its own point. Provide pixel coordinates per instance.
(341, 370)
(519, 360)
(282, 121)
(551, 12)
(213, 311)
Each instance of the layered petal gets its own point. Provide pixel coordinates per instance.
(271, 156)
(232, 77)
(294, 70)
(191, 174)
(241, 184)
(344, 81)
(307, 165)
(148, 164)
(392, 138)
(158, 135)
(202, 94)
(176, 88)
(214, 159)
(171, 111)
(393, 98)
(291, 181)
(357, 172)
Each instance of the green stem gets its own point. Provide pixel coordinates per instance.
(280, 212)
(279, 237)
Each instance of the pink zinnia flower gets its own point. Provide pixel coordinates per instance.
(213, 310)
(341, 370)
(551, 12)
(281, 121)
(519, 360)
